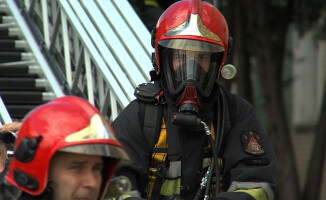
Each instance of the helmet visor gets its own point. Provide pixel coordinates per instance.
(180, 67)
(191, 45)
(97, 150)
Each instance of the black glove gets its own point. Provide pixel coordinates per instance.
(234, 196)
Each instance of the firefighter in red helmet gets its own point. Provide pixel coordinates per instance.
(66, 150)
(187, 136)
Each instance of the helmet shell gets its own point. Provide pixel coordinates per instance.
(192, 20)
(63, 123)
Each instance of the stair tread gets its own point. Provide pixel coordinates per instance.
(9, 45)
(21, 79)
(20, 92)
(18, 63)
(22, 83)
(23, 97)
(11, 49)
(6, 56)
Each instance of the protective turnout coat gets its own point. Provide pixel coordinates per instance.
(246, 153)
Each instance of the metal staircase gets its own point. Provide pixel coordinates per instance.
(99, 50)
(22, 86)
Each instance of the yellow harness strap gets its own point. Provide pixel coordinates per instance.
(257, 193)
(152, 3)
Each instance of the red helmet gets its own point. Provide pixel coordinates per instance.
(190, 26)
(68, 124)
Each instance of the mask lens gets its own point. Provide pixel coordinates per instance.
(184, 66)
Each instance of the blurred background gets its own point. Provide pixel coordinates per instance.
(101, 50)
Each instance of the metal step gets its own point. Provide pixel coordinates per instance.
(13, 45)
(26, 97)
(15, 56)
(3, 8)
(4, 34)
(18, 63)
(6, 19)
(23, 83)
(31, 71)
(13, 33)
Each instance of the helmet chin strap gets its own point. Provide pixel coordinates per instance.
(47, 194)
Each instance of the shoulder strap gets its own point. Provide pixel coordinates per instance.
(151, 119)
(151, 111)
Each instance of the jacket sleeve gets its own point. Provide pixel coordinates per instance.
(249, 159)
(9, 192)
(129, 133)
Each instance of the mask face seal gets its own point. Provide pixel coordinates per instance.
(189, 76)
(183, 68)
(189, 102)
(189, 69)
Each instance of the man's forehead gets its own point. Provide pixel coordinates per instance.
(74, 157)
(192, 52)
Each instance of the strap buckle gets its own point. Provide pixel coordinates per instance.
(161, 171)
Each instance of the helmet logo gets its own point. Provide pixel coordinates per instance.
(97, 129)
(193, 26)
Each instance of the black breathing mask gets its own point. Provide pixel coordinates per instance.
(188, 77)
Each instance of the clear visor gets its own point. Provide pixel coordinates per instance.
(191, 45)
(98, 150)
(98, 129)
(182, 67)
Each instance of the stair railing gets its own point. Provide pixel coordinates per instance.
(101, 47)
(4, 115)
(34, 46)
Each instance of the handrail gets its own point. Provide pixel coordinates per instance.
(35, 48)
(98, 59)
(42, 44)
(98, 42)
(102, 48)
(4, 115)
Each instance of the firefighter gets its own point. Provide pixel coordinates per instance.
(65, 150)
(7, 140)
(187, 136)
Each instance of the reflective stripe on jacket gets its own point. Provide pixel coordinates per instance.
(172, 182)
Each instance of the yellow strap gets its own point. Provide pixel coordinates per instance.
(212, 131)
(171, 187)
(152, 3)
(125, 196)
(257, 193)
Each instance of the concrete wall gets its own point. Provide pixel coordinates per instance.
(308, 73)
